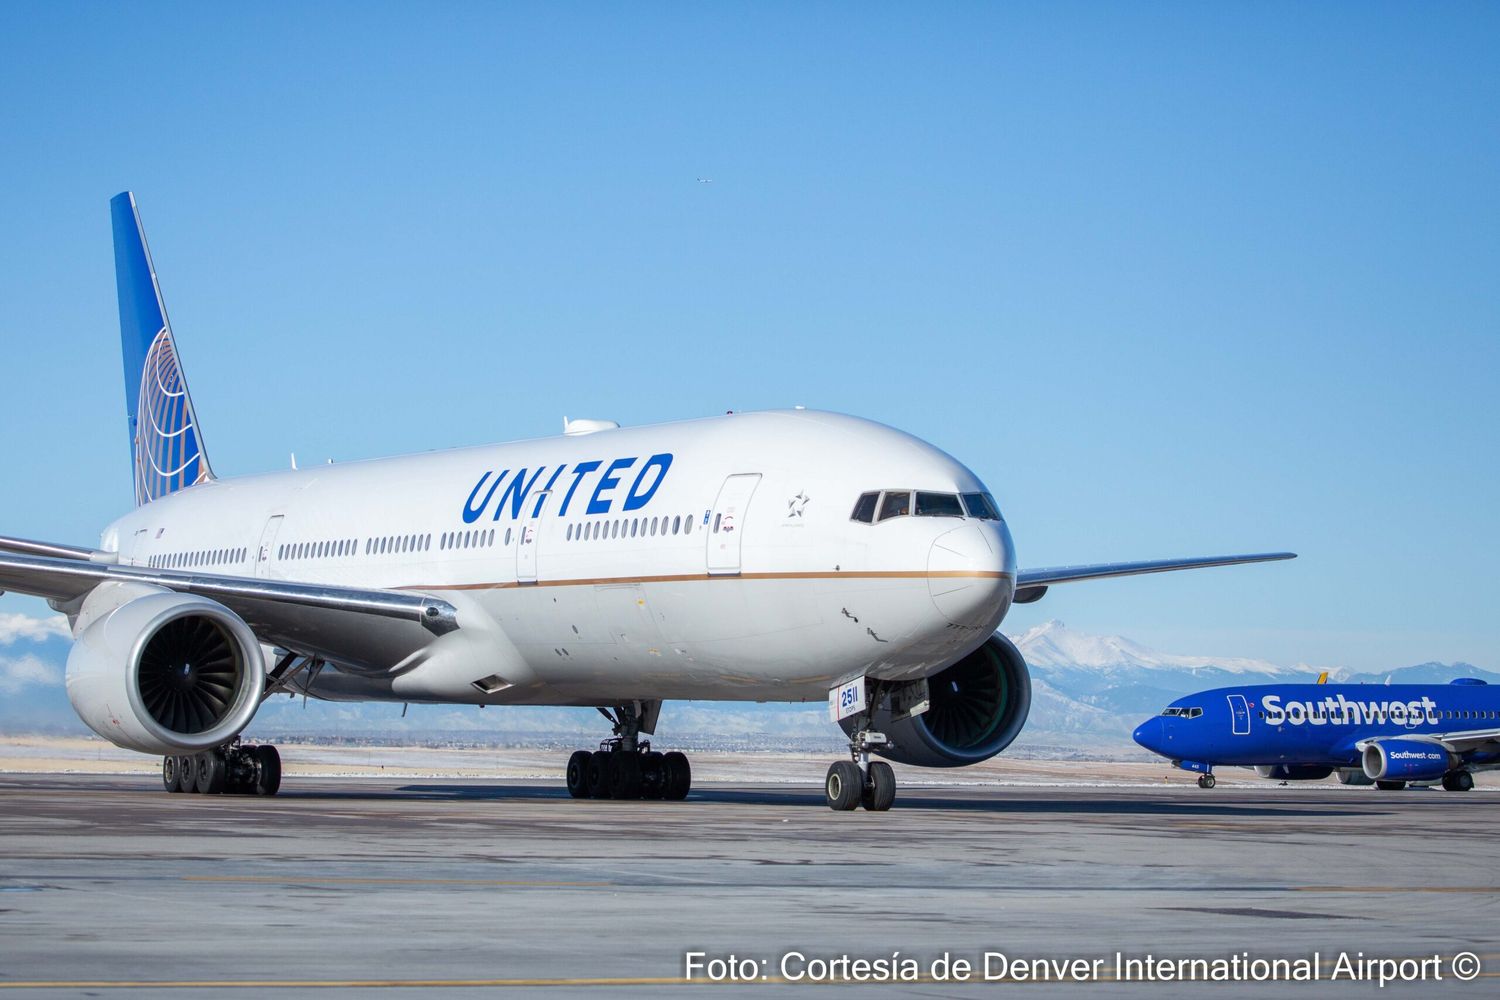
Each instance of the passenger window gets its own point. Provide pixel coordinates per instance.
(716, 524)
(895, 505)
(938, 505)
(864, 508)
(687, 525)
(676, 522)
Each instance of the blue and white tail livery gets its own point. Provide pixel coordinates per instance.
(166, 447)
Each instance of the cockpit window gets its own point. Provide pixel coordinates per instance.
(938, 505)
(1192, 713)
(1182, 713)
(982, 506)
(876, 506)
(1173, 711)
(895, 505)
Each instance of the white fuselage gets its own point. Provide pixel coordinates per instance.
(712, 559)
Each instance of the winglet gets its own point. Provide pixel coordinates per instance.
(165, 445)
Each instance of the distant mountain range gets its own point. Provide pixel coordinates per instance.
(1099, 688)
(1088, 691)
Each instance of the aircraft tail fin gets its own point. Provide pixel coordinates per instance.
(166, 447)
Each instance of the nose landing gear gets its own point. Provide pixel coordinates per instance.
(861, 781)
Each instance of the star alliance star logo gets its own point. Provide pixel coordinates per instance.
(797, 504)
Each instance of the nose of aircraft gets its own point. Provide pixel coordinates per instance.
(971, 574)
(1152, 734)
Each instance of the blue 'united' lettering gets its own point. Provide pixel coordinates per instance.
(648, 480)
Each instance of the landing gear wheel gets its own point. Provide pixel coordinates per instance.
(880, 787)
(1207, 781)
(1390, 786)
(268, 770)
(653, 775)
(844, 786)
(599, 775)
(171, 774)
(210, 773)
(625, 775)
(578, 774)
(1458, 781)
(679, 776)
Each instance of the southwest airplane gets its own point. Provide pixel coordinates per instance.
(1389, 734)
(787, 556)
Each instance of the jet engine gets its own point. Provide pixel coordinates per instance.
(976, 707)
(162, 672)
(1405, 760)
(1293, 772)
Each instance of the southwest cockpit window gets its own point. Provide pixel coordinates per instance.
(982, 506)
(895, 505)
(938, 505)
(1174, 710)
(1182, 713)
(864, 507)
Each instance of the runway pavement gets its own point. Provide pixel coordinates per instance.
(111, 887)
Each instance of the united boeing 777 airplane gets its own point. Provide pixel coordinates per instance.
(789, 555)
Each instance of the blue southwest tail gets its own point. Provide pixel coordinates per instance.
(166, 448)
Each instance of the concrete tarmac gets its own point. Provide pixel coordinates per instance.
(111, 887)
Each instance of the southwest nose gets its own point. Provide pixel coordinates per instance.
(969, 576)
(1152, 734)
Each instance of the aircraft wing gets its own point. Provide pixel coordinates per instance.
(1459, 742)
(26, 547)
(339, 623)
(1031, 584)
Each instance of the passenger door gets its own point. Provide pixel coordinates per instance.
(1239, 714)
(526, 545)
(267, 545)
(726, 525)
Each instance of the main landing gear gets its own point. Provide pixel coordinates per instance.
(235, 769)
(1458, 781)
(625, 766)
(861, 781)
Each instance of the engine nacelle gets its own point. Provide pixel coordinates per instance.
(1293, 772)
(162, 672)
(977, 707)
(1406, 760)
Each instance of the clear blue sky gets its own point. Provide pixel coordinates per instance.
(1174, 279)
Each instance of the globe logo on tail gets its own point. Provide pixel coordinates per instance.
(168, 454)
